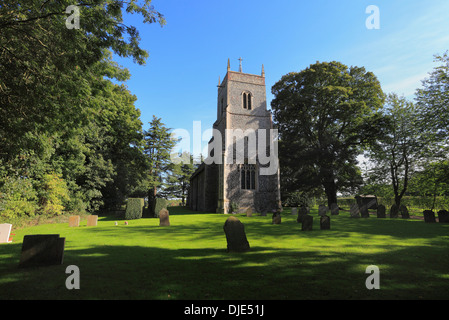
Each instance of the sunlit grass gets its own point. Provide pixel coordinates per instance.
(188, 260)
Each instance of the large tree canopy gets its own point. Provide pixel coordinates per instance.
(62, 120)
(324, 114)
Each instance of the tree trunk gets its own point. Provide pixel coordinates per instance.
(331, 191)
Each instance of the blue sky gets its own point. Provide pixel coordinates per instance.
(187, 55)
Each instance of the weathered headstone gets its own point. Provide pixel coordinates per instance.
(5, 231)
(381, 211)
(74, 221)
(301, 213)
(429, 216)
(354, 211)
(364, 212)
(164, 218)
(334, 209)
(325, 222)
(443, 216)
(276, 219)
(322, 210)
(249, 212)
(369, 200)
(404, 212)
(92, 220)
(42, 250)
(235, 235)
(294, 211)
(394, 210)
(307, 223)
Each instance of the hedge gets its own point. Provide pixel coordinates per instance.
(134, 208)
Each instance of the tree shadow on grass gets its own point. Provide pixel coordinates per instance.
(136, 272)
(283, 263)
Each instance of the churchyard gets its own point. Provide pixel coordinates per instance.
(189, 258)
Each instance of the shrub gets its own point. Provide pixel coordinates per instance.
(134, 208)
(298, 199)
(17, 197)
(53, 194)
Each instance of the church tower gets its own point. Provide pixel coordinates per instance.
(242, 111)
(239, 178)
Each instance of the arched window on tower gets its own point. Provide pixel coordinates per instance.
(248, 176)
(247, 100)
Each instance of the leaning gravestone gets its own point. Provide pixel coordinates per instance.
(443, 216)
(5, 231)
(235, 235)
(334, 209)
(92, 220)
(164, 218)
(325, 222)
(322, 210)
(276, 219)
(404, 212)
(381, 211)
(394, 210)
(294, 211)
(354, 211)
(74, 221)
(307, 223)
(42, 250)
(429, 216)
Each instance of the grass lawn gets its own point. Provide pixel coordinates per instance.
(188, 260)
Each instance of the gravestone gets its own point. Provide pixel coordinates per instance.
(294, 211)
(443, 216)
(364, 212)
(429, 216)
(334, 209)
(354, 211)
(249, 212)
(264, 213)
(42, 250)
(325, 222)
(404, 212)
(92, 220)
(164, 218)
(74, 221)
(276, 219)
(307, 223)
(322, 210)
(5, 231)
(369, 200)
(301, 213)
(381, 211)
(394, 210)
(235, 235)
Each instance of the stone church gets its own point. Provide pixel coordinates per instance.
(227, 184)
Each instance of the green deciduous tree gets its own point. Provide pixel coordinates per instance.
(61, 115)
(399, 151)
(433, 99)
(324, 114)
